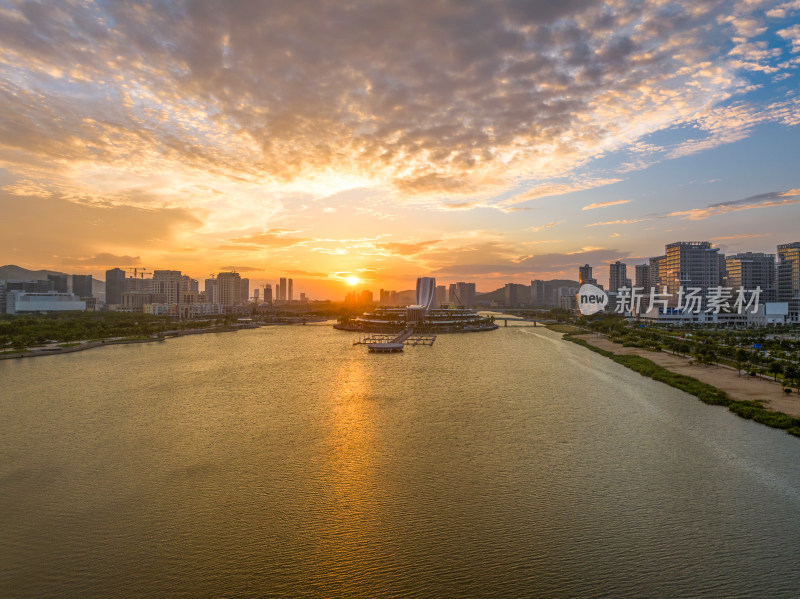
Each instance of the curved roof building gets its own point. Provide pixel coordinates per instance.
(426, 292)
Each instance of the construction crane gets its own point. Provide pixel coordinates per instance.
(138, 271)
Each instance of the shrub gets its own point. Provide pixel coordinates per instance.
(706, 393)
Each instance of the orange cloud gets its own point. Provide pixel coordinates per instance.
(605, 204)
(765, 200)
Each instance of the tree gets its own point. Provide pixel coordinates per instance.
(741, 360)
(775, 368)
(791, 374)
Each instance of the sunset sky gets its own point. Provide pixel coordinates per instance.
(483, 141)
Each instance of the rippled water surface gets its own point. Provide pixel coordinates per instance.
(285, 462)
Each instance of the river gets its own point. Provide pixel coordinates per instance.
(286, 462)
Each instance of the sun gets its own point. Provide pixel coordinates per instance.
(352, 280)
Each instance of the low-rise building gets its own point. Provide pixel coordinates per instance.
(21, 302)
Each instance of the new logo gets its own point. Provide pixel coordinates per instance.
(591, 299)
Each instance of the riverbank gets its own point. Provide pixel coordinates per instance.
(57, 351)
(751, 398)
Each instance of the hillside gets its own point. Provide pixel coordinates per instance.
(500, 294)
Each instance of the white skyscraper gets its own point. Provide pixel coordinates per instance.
(426, 292)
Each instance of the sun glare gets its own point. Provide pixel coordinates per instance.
(352, 280)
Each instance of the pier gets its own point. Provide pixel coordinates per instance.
(389, 343)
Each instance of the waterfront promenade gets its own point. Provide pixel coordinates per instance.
(739, 387)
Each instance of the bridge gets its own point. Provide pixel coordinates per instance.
(505, 321)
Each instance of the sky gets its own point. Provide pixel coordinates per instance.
(494, 142)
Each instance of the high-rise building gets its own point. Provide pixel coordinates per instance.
(452, 295)
(690, 264)
(168, 284)
(82, 285)
(516, 294)
(618, 276)
(441, 295)
(365, 297)
(139, 285)
(657, 265)
(229, 288)
(115, 285)
(426, 292)
(28, 285)
(268, 293)
(290, 294)
(282, 290)
(643, 277)
(788, 286)
(211, 291)
(749, 270)
(467, 292)
(189, 285)
(538, 290)
(585, 275)
(462, 294)
(245, 294)
(59, 283)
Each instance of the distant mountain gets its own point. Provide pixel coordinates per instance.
(490, 296)
(500, 294)
(12, 271)
(556, 283)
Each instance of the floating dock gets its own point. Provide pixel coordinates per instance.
(389, 343)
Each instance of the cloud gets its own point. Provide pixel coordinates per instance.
(236, 128)
(273, 238)
(586, 249)
(461, 205)
(792, 35)
(535, 266)
(322, 97)
(553, 189)
(538, 241)
(774, 199)
(242, 269)
(744, 236)
(605, 204)
(547, 226)
(306, 274)
(622, 221)
(104, 259)
(406, 249)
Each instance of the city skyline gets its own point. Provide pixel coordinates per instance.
(600, 274)
(490, 143)
(735, 270)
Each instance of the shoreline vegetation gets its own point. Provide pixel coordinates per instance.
(705, 392)
(67, 348)
(52, 335)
